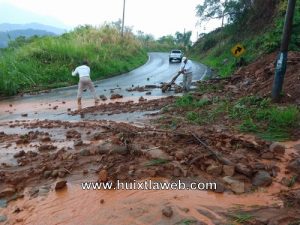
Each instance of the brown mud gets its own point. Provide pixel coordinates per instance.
(258, 182)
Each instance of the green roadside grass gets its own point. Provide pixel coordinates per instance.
(46, 62)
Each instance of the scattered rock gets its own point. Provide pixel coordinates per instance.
(84, 152)
(267, 155)
(24, 115)
(214, 170)
(158, 154)
(46, 148)
(47, 173)
(19, 154)
(167, 211)
(177, 172)
(7, 191)
(54, 173)
(141, 99)
(179, 155)
(78, 143)
(103, 176)
(243, 169)
(228, 170)
(294, 166)
(103, 97)
(262, 179)
(236, 186)
(73, 134)
(116, 96)
(45, 139)
(277, 148)
(220, 188)
(148, 93)
(60, 184)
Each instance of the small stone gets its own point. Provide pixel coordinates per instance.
(262, 179)
(102, 201)
(19, 154)
(167, 211)
(103, 176)
(267, 155)
(54, 173)
(294, 166)
(24, 115)
(47, 174)
(236, 186)
(177, 172)
(141, 99)
(214, 170)
(61, 174)
(228, 170)
(103, 97)
(148, 93)
(179, 155)
(116, 96)
(60, 184)
(84, 152)
(78, 143)
(45, 139)
(277, 148)
(7, 192)
(3, 218)
(220, 188)
(243, 169)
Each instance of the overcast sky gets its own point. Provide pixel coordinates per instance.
(157, 17)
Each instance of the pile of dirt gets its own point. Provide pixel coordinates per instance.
(127, 107)
(257, 78)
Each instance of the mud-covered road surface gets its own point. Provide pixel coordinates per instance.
(55, 103)
(49, 148)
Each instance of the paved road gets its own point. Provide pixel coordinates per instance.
(156, 70)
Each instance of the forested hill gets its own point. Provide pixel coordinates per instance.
(257, 25)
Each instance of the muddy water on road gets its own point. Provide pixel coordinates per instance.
(75, 206)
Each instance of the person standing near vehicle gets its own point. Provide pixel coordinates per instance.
(186, 70)
(84, 81)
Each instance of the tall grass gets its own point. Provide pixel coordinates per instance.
(47, 62)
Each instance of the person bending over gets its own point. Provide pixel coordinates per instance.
(84, 81)
(186, 70)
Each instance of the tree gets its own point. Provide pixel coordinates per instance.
(183, 39)
(233, 10)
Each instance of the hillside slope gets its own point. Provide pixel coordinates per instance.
(259, 33)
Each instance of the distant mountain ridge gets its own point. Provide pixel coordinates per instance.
(10, 31)
(4, 27)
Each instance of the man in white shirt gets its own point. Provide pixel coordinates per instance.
(186, 69)
(84, 81)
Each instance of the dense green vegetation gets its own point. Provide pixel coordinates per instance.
(257, 26)
(41, 63)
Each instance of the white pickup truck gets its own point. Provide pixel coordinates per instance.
(175, 55)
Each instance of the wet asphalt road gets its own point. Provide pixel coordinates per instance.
(156, 70)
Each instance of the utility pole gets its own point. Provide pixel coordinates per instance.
(282, 57)
(123, 18)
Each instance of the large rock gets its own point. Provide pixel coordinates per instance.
(236, 186)
(243, 169)
(277, 148)
(158, 154)
(294, 166)
(214, 170)
(262, 179)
